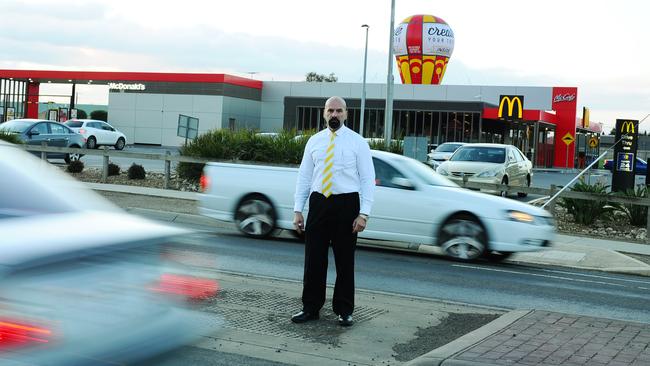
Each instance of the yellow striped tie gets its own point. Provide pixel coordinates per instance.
(329, 164)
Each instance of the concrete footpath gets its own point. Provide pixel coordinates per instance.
(519, 337)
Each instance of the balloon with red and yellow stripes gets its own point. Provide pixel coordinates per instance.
(423, 45)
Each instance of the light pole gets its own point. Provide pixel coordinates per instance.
(363, 87)
(388, 113)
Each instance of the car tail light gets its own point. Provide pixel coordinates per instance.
(191, 288)
(18, 334)
(204, 183)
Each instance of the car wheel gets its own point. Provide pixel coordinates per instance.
(504, 193)
(497, 256)
(255, 217)
(463, 238)
(71, 156)
(91, 143)
(119, 145)
(524, 194)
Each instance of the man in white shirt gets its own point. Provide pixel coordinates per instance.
(337, 176)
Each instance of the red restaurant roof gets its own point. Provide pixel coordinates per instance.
(103, 77)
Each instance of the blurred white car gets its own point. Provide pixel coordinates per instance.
(97, 133)
(442, 153)
(489, 163)
(412, 204)
(107, 294)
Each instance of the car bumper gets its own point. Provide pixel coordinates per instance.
(513, 236)
(487, 180)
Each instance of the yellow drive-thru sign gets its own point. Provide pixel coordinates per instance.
(593, 142)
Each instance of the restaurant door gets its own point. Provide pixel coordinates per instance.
(545, 150)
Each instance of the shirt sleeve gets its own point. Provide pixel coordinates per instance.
(303, 183)
(366, 177)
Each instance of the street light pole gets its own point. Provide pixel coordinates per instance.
(363, 87)
(388, 114)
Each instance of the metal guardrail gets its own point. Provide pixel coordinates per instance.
(168, 158)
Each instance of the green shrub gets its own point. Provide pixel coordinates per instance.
(10, 137)
(99, 115)
(136, 171)
(75, 166)
(242, 145)
(637, 214)
(587, 211)
(113, 169)
(395, 147)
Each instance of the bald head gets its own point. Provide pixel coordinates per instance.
(336, 111)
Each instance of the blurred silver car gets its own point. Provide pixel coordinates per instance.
(107, 294)
(489, 163)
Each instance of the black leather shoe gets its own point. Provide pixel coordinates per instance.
(304, 316)
(345, 320)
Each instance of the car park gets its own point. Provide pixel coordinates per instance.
(640, 166)
(412, 204)
(442, 153)
(98, 133)
(37, 131)
(83, 282)
(489, 163)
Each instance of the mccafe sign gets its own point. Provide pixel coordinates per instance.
(564, 98)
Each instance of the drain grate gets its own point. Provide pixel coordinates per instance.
(269, 313)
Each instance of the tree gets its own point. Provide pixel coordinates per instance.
(315, 77)
(99, 115)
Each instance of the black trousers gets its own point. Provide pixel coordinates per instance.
(330, 222)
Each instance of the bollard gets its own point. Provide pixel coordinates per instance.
(105, 165)
(167, 169)
(551, 206)
(647, 228)
(43, 153)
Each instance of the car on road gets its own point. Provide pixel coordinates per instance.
(412, 204)
(640, 166)
(489, 163)
(98, 133)
(111, 293)
(442, 153)
(36, 131)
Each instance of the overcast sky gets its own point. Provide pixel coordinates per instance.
(601, 47)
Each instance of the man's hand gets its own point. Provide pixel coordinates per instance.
(359, 224)
(299, 222)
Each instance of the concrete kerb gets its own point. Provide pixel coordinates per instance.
(443, 355)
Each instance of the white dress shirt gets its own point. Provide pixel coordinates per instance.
(353, 170)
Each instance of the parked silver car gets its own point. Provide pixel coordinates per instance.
(442, 153)
(82, 282)
(489, 163)
(36, 131)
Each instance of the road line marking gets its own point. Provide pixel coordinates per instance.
(539, 275)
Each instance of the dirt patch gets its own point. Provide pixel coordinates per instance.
(450, 328)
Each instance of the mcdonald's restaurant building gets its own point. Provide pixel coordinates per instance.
(147, 107)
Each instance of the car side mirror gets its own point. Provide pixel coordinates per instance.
(402, 183)
(33, 133)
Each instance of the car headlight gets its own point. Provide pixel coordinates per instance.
(489, 173)
(442, 171)
(520, 216)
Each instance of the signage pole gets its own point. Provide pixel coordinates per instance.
(566, 164)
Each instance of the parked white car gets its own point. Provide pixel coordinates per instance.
(442, 153)
(412, 204)
(98, 133)
(489, 163)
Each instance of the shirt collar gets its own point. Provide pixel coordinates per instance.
(342, 130)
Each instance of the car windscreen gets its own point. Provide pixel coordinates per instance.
(480, 154)
(448, 147)
(15, 126)
(425, 173)
(74, 124)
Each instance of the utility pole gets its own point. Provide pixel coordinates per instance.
(363, 88)
(388, 113)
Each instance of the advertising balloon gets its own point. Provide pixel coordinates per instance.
(423, 45)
